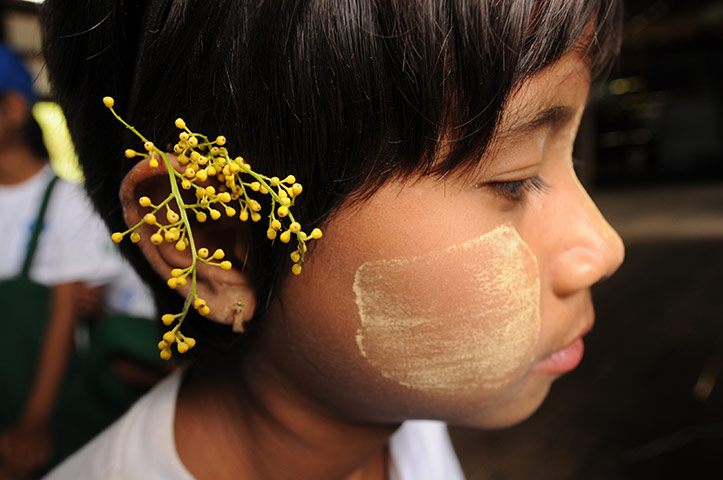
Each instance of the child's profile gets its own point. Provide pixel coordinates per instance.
(434, 144)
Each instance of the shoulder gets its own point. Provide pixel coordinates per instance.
(139, 445)
(422, 449)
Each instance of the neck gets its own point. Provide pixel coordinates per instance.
(17, 164)
(255, 427)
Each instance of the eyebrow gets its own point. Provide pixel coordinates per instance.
(549, 117)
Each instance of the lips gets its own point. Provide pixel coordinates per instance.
(563, 360)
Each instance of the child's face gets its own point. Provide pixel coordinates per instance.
(450, 299)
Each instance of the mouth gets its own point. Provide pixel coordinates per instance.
(563, 360)
(568, 357)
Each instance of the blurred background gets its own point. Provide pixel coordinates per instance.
(647, 402)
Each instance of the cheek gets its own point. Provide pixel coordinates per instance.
(454, 320)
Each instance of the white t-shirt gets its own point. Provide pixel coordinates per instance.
(141, 445)
(73, 244)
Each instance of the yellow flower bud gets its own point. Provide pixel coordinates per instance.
(135, 237)
(296, 269)
(215, 214)
(117, 237)
(201, 175)
(180, 245)
(203, 252)
(108, 102)
(180, 123)
(183, 159)
(255, 217)
(295, 227)
(225, 197)
(255, 186)
(218, 254)
(183, 136)
(282, 211)
(295, 256)
(130, 153)
(193, 141)
(149, 218)
(166, 354)
(204, 310)
(148, 146)
(172, 283)
(185, 184)
(271, 234)
(190, 172)
(182, 347)
(296, 189)
(275, 224)
(201, 217)
(153, 162)
(199, 302)
(181, 281)
(316, 233)
(210, 190)
(226, 265)
(156, 239)
(177, 148)
(167, 319)
(144, 202)
(176, 272)
(171, 216)
(220, 140)
(230, 212)
(195, 156)
(162, 345)
(169, 337)
(211, 171)
(274, 181)
(290, 179)
(191, 342)
(285, 236)
(244, 215)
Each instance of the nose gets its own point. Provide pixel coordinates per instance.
(589, 249)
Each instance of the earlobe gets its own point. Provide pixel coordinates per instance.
(223, 290)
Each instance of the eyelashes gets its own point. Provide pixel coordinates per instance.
(516, 191)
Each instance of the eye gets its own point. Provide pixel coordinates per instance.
(516, 191)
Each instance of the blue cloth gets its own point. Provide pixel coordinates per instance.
(14, 76)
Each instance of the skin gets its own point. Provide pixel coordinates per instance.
(308, 401)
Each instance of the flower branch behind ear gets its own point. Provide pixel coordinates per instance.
(202, 159)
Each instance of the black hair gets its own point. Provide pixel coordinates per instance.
(344, 94)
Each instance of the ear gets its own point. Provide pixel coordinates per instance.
(228, 293)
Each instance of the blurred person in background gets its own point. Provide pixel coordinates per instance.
(57, 265)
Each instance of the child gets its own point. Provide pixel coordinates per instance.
(433, 141)
(52, 252)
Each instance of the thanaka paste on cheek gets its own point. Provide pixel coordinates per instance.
(453, 320)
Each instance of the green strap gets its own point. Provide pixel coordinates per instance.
(37, 227)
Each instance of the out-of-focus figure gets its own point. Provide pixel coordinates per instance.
(57, 265)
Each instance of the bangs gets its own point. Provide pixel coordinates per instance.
(486, 50)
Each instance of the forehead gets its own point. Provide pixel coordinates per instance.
(556, 92)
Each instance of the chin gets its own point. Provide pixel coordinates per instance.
(504, 412)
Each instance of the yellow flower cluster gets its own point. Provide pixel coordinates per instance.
(201, 164)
